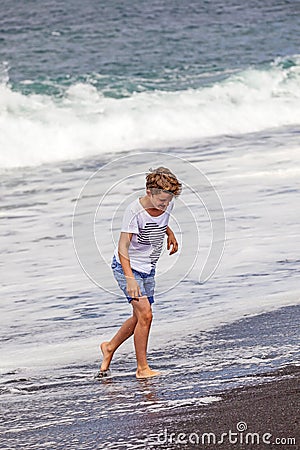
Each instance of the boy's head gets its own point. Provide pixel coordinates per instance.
(163, 180)
(162, 185)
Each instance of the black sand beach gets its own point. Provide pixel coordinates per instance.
(261, 415)
(245, 397)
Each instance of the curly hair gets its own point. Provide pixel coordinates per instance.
(162, 179)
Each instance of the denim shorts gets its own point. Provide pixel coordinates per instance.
(145, 281)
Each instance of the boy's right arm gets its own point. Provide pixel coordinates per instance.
(132, 287)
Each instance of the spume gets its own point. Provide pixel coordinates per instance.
(38, 129)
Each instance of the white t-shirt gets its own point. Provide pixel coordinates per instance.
(148, 235)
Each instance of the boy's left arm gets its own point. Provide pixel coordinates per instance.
(171, 241)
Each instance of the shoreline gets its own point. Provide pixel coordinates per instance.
(264, 415)
(245, 417)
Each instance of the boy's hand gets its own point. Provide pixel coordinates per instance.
(133, 287)
(172, 241)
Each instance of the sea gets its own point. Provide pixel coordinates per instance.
(94, 95)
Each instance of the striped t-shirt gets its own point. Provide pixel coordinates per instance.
(148, 235)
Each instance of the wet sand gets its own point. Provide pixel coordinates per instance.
(263, 416)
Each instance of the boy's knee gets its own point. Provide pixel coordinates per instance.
(146, 317)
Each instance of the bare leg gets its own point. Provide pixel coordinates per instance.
(143, 312)
(108, 348)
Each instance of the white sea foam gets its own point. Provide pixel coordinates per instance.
(53, 301)
(39, 128)
(198, 401)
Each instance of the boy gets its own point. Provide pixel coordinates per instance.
(144, 226)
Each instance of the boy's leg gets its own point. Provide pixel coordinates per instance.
(143, 312)
(108, 348)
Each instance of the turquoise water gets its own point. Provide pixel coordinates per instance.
(82, 79)
(167, 44)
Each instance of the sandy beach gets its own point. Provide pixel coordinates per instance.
(262, 416)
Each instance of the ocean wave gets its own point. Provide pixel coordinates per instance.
(40, 128)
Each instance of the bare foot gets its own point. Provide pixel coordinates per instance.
(107, 356)
(146, 373)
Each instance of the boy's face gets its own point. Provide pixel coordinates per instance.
(161, 200)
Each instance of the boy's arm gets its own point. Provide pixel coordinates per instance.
(132, 286)
(169, 231)
(123, 246)
(171, 241)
